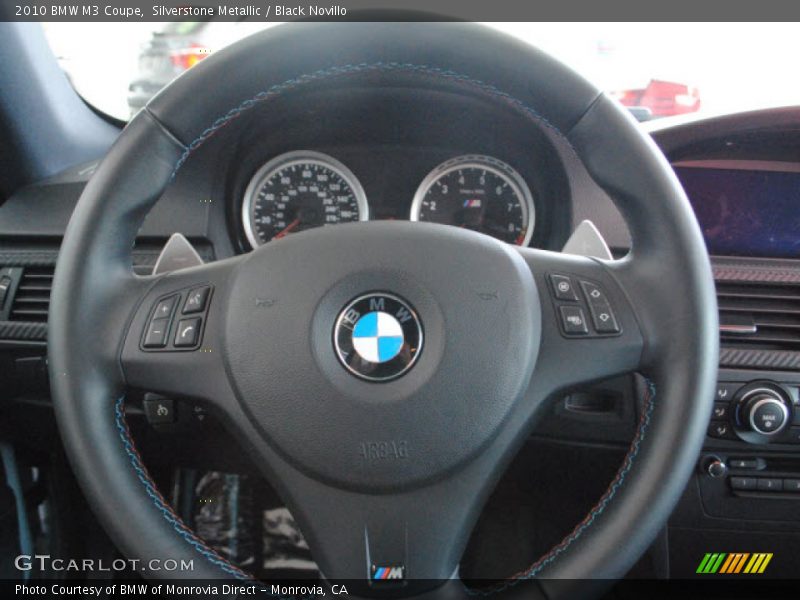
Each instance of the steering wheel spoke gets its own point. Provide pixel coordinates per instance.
(173, 342)
(404, 542)
(376, 543)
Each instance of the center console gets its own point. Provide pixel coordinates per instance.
(745, 496)
(759, 412)
(753, 446)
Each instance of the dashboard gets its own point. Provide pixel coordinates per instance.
(351, 154)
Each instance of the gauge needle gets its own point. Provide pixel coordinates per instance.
(287, 229)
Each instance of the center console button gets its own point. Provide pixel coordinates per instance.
(743, 483)
(768, 415)
(716, 468)
(725, 391)
(721, 410)
(720, 429)
(793, 436)
(743, 463)
(769, 484)
(791, 485)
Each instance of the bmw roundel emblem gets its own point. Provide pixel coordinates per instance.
(378, 336)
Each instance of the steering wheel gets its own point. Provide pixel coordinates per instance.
(385, 462)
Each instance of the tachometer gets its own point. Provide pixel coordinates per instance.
(300, 190)
(480, 193)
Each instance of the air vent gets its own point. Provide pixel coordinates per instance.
(32, 298)
(759, 316)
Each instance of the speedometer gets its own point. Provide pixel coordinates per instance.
(300, 190)
(480, 193)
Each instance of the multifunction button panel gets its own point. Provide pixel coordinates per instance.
(176, 320)
(757, 412)
(576, 298)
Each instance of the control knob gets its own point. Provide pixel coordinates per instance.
(765, 412)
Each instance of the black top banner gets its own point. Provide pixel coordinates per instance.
(403, 10)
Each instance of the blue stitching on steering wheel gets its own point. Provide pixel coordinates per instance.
(162, 505)
(173, 519)
(598, 509)
(351, 69)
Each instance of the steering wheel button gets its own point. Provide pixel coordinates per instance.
(164, 308)
(603, 318)
(594, 294)
(563, 288)
(600, 308)
(196, 300)
(573, 320)
(158, 409)
(188, 332)
(156, 336)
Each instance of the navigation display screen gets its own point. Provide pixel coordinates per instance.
(746, 212)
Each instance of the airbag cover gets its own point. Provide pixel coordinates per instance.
(480, 314)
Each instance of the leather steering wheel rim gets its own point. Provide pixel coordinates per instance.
(669, 333)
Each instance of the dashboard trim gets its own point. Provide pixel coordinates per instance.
(756, 270)
(776, 166)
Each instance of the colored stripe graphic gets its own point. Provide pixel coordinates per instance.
(733, 563)
(767, 558)
(736, 562)
(711, 562)
(729, 562)
(758, 563)
(752, 566)
(717, 563)
(741, 562)
(703, 563)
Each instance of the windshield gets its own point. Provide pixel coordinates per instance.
(656, 69)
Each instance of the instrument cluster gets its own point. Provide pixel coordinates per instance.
(302, 189)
